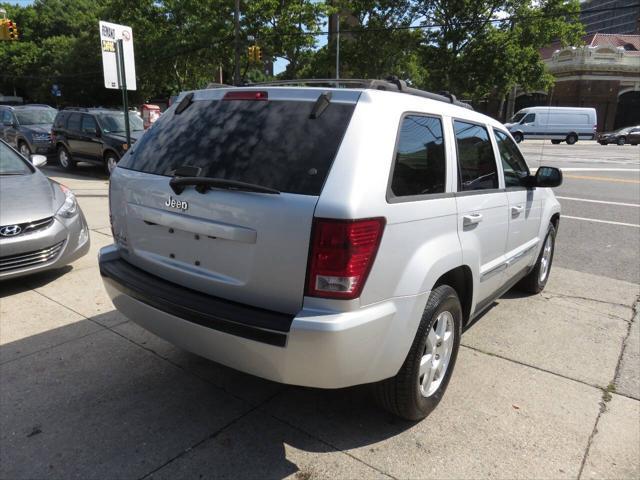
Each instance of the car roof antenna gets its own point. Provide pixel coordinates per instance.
(321, 105)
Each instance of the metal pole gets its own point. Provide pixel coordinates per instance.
(236, 67)
(122, 80)
(337, 46)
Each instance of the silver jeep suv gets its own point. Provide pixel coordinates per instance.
(325, 236)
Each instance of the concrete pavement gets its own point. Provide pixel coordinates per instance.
(546, 386)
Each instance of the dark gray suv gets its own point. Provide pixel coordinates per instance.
(28, 128)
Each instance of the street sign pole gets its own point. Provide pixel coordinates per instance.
(122, 83)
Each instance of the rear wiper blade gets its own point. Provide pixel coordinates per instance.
(203, 184)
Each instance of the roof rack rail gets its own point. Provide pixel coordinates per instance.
(393, 84)
(218, 85)
(37, 105)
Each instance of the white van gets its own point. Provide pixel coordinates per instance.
(557, 124)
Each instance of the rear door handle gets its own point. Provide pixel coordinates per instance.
(471, 219)
(516, 210)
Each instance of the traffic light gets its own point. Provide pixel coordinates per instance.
(12, 30)
(8, 29)
(255, 54)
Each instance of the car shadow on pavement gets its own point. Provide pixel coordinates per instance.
(83, 171)
(82, 400)
(13, 286)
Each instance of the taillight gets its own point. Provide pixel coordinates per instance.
(341, 255)
(246, 95)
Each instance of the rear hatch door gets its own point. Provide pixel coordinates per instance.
(237, 243)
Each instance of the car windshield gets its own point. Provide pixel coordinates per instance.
(114, 122)
(40, 116)
(11, 163)
(517, 117)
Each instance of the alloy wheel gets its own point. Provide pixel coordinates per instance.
(545, 261)
(437, 354)
(63, 156)
(112, 162)
(24, 150)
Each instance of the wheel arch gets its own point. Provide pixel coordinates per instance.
(461, 280)
(109, 150)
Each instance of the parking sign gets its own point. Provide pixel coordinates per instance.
(109, 34)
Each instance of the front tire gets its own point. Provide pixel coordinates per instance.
(64, 159)
(25, 151)
(422, 380)
(537, 279)
(572, 138)
(556, 142)
(518, 137)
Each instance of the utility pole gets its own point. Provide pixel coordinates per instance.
(236, 67)
(337, 46)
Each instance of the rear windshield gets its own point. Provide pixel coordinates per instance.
(270, 143)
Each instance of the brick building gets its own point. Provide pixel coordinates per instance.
(604, 73)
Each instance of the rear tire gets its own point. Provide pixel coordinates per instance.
(518, 137)
(571, 139)
(556, 142)
(537, 279)
(110, 162)
(64, 159)
(621, 141)
(422, 380)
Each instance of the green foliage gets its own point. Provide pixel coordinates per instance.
(473, 48)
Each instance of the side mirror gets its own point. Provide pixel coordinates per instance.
(38, 160)
(548, 177)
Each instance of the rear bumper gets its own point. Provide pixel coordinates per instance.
(317, 349)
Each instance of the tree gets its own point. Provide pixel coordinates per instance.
(477, 47)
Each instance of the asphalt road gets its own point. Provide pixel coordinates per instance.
(600, 198)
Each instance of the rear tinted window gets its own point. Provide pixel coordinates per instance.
(420, 162)
(269, 143)
(74, 122)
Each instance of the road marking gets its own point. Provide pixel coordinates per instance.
(600, 201)
(599, 169)
(589, 169)
(603, 179)
(601, 221)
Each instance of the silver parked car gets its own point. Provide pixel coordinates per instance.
(326, 237)
(41, 224)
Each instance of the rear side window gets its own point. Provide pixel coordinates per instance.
(476, 162)
(420, 166)
(88, 124)
(269, 143)
(74, 122)
(513, 163)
